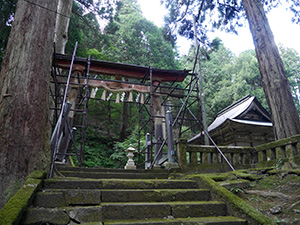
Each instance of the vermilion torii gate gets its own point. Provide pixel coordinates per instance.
(153, 89)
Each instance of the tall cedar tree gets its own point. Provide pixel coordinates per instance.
(275, 83)
(24, 82)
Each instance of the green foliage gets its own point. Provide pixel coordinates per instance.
(210, 15)
(237, 190)
(120, 156)
(278, 220)
(97, 150)
(102, 152)
(291, 61)
(7, 11)
(84, 29)
(130, 38)
(226, 77)
(187, 132)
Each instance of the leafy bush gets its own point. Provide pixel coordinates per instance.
(100, 152)
(119, 155)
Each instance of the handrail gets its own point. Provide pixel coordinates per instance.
(61, 113)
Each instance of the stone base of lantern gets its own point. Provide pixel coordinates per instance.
(130, 163)
(130, 167)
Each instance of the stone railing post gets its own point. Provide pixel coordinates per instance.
(181, 152)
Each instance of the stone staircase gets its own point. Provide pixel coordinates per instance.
(115, 197)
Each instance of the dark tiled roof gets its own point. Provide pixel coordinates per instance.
(238, 111)
(239, 108)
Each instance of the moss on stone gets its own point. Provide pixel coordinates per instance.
(266, 164)
(12, 212)
(37, 175)
(173, 221)
(247, 176)
(218, 176)
(239, 181)
(296, 160)
(13, 189)
(237, 203)
(278, 143)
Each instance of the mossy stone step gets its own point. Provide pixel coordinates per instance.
(63, 216)
(240, 183)
(113, 175)
(53, 198)
(142, 210)
(69, 183)
(221, 220)
(104, 170)
(123, 211)
(155, 195)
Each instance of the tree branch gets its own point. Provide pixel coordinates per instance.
(97, 31)
(200, 9)
(184, 14)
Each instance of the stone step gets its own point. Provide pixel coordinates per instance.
(127, 211)
(221, 220)
(123, 211)
(69, 183)
(52, 198)
(114, 175)
(62, 216)
(235, 184)
(157, 195)
(104, 170)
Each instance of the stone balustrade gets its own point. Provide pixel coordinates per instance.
(286, 150)
(204, 158)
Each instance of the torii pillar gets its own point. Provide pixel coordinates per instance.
(158, 119)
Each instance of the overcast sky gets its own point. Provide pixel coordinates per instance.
(284, 30)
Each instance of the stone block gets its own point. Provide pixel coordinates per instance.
(205, 158)
(135, 210)
(290, 150)
(185, 195)
(49, 199)
(86, 214)
(130, 196)
(83, 197)
(198, 209)
(71, 184)
(193, 158)
(280, 153)
(146, 184)
(45, 216)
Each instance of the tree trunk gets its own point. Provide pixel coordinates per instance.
(24, 102)
(275, 83)
(64, 12)
(64, 9)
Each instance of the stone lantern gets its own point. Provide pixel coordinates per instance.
(130, 163)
